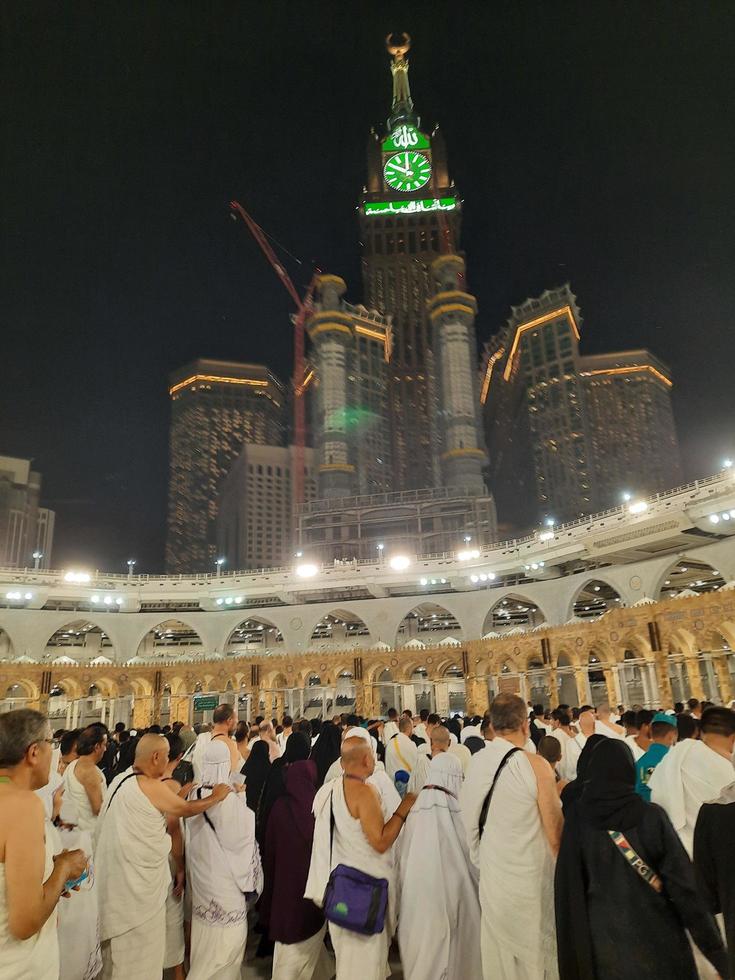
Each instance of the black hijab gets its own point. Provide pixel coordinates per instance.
(326, 750)
(573, 790)
(297, 749)
(474, 743)
(256, 771)
(609, 800)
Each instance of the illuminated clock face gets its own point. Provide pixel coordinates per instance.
(407, 171)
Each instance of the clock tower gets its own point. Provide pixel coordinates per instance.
(409, 216)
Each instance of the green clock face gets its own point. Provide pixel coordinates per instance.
(407, 171)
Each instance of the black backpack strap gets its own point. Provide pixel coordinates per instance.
(114, 794)
(331, 824)
(486, 802)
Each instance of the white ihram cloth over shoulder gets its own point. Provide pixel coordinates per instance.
(689, 775)
(570, 753)
(76, 795)
(36, 958)
(518, 935)
(365, 957)
(224, 867)
(439, 915)
(197, 755)
(400, 753)
(389, 798)
(133, 878)
(79, 926)
(630, 741)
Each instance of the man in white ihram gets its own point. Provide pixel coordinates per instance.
(362, 839)
(400, 752)
(438, 880)
(693, 772)
(132, 863)
(517, 851)
(224, 869)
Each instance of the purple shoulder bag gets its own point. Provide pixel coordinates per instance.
(352, 899)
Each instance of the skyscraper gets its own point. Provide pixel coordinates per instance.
(568, 433)
(409, 214)
(216, 406)
(350, 355)
(24, 526)
(634, 446)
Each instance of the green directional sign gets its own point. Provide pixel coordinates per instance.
(205, 702)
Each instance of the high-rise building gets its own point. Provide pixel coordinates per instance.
(568, 433)
(631, 423)
(216, 407)
(255, 514)
(25, 527)
(411, 272)
(409, 214)
(350, 360)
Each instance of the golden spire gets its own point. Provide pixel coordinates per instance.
(402, 106)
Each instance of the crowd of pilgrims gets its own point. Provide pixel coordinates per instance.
(577, 843)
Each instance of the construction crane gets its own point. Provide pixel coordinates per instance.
(303, 309)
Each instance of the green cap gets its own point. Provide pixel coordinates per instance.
(662, 716)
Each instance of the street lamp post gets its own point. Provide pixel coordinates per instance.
(37, 556)
(131, 566)
(380, 549)
(219, 562)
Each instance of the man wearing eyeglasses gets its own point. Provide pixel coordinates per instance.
(32, 879)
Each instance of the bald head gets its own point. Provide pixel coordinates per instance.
(405, 725)
(440, 740)
(151, 755)
(357, 757)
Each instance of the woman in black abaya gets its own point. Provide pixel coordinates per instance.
(613, 924)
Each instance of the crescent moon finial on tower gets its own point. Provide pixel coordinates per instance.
(400, 49)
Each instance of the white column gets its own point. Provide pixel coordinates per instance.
(102, 712)
(654, 696)
(645, 680)
(75, 714)
(67, 724)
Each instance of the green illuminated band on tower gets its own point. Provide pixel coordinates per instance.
(410, 207)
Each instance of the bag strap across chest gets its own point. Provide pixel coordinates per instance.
(488, 798)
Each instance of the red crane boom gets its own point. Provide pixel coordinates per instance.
(303, 309)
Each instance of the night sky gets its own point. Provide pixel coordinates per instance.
(591, 142)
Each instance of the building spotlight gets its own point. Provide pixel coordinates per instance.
(306, 571)
(399, 563)
(638, 507)
(626, 496)
(727, 464)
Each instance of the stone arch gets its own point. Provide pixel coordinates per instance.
(594, 597)
(169, 639)
(377, 669)
(428, 622)
(8, 648)
(141, 687)
(687, 572)
(83, 638)
(177, 685)
(341, 629)
(28, 688)
(107, 686)
(70, 685)
(255, 634)
(512, 611)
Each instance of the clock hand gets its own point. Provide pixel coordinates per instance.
(401, 169)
